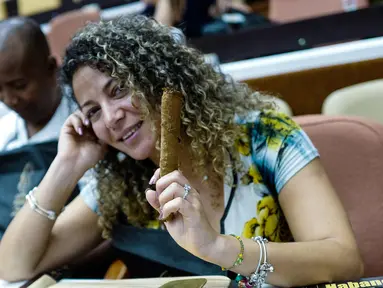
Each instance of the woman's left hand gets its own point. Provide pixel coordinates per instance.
(188, 226)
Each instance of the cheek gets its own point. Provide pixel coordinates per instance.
(129, 105)
(101, 131)
(149, 134)
(32, 93)
(135, 103)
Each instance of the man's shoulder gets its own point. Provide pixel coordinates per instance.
(3, 109)
(9, 119)
(8, 127)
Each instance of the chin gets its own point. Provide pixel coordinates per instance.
(140, 156)
(142, 151)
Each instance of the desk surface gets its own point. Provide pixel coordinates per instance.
(4, 284)
(336, 54)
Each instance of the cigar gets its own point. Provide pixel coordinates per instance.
(170, 130)
(170, 133)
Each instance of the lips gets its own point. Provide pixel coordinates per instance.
(130, 131)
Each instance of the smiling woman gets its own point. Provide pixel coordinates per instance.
(133, 69)
(245, 170)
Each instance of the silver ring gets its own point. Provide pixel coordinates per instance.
(187, 190)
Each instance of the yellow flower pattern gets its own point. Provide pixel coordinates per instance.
(266, 139)
(276, 126)
(153, 224)
(243, 143)
(252, 176)
(269, 223)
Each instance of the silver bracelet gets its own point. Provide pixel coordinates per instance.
(258, 277)
(51, 215)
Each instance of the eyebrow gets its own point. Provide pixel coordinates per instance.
(107, 85)
(86, 104)
(16, 80)
(105, 89)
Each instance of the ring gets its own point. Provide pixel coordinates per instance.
(187, 190)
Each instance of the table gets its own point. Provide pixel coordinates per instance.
(336, 54)
(4, 284)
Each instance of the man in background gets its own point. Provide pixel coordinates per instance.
(28, 86)
(30, 130)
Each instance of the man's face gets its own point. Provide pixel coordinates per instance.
(25, 88)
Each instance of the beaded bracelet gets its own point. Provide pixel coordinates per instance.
(239, 259)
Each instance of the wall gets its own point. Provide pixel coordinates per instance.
(306, 90)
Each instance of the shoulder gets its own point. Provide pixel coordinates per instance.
(8, 118)
(89, 191)
(274, 144)
(267, 128)
(8, 127)
(268, 122)
(3, 109)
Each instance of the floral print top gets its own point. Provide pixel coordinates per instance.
(274, 149)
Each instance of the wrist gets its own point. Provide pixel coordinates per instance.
(223, 251)
(64, 173)
(57, 185)
(65, 164)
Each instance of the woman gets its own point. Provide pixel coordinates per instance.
(244, 169)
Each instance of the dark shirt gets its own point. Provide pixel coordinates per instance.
(195, 17)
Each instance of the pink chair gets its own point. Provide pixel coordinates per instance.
(65, 25)
(283, 11)
(351, 150)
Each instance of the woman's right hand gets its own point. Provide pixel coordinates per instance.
(78, 144)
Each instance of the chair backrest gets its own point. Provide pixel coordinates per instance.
(294, 10)
(279, 104)
(65, 25)
(364, 99)
(351, 150)
(283, 106)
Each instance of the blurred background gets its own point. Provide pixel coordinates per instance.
(317, 56)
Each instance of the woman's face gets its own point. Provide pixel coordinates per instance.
(114, 118)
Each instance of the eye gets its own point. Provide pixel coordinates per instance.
(92, 113)
(19, 85)
(118, 91)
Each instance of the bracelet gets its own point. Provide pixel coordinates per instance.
(239, 259)
(51, 215)
(258, 277)
(244, 282)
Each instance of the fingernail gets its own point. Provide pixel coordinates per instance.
(152, 180)
(86, 122)
(80, 131)
(161, 215)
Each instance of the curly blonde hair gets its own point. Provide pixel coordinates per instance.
(147, 57)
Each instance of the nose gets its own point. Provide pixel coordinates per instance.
(112, 116)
